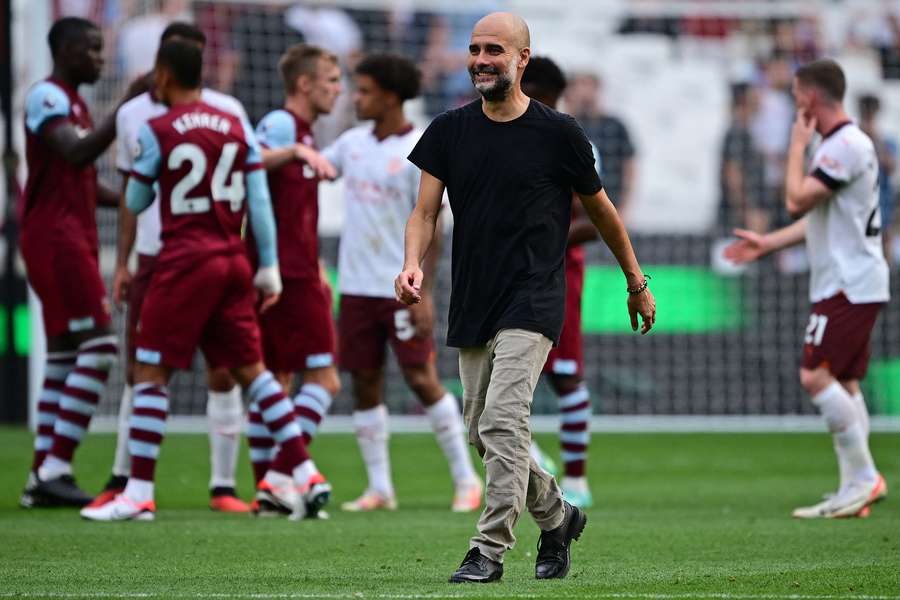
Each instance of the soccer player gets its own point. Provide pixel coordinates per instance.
(297, 333)
(60, 249)
(544, 81)
(837, 206)
(207, 162)
(380, 191)
(224, 406)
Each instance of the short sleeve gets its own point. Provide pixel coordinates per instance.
(45, 102)
(254, 153)
(834, 164)
(430, 152)
(277, 130)
(147, 156)
(577, 159)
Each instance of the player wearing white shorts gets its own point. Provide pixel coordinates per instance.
(224, 406)
(380, 191)
(837, 199)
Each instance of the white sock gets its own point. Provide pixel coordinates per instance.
(842, 419)
(122, 461)
(303, 472)
(138, 490)
(372, 436)
(225, 411)
(53, 467)
(862, 410)
(536, 453)
(447, 424)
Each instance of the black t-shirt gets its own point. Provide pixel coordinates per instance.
(510, 187)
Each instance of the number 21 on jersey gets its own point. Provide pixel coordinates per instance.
(222, 188)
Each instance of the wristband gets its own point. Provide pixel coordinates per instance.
(634, 291)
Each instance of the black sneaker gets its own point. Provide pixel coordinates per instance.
(477, 568)
(553, 546)
(62, 491)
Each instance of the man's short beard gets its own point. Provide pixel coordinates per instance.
(497, 92)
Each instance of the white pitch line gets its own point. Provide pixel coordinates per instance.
(440, 596)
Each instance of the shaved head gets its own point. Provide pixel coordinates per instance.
(509, 27)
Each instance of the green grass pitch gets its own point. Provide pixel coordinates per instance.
(676, 516)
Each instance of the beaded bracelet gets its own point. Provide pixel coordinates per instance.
(639, 289)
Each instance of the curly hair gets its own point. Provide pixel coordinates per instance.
(393, 73)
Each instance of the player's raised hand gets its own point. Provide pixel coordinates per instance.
(323, 168)
(748, 247)
(408, 285)
(643, 304)
(803, 129)
(121, 285)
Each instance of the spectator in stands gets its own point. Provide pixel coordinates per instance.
(260, 34)
(771, 128)
(584, 101)
(742, 175)
(886, 149)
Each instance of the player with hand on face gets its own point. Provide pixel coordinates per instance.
(60, 249)
(381, 187)
(224, 406)
(207, 161)
(836, 202)
(298, 333)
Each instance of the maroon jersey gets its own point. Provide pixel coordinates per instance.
(295, 197)
(60, 199)
(199, 155)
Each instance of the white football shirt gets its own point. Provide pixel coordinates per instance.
(843, 233)
(129, 119)
(380, 191)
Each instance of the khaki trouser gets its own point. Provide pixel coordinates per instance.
(498, 384)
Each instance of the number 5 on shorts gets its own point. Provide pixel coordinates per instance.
(815, 330)
(403, 326)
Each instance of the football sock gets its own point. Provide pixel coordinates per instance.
(138, 490)
(225, 413)
(122, 461)
(78, 402)
(58, 367)
(261, 442)
(841, 417)
(574, 430)
(311, 405)
(862, 411)
(447, 424)
(148, 427)
(277, 412)
(372, 436)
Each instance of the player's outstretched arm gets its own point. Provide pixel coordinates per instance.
(79, 150)
(605, 218)
(751, 246)
(419, 234)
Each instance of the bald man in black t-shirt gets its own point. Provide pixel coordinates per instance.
(509, 165)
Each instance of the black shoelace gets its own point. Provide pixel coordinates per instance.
(473, 557)
(548, 547)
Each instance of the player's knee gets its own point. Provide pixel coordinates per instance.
(564, 384)
(327, 378)
(815, 380)
(219, 380)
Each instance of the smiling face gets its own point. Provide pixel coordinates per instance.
(498, 54)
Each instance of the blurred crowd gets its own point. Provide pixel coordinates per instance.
(245, 40)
